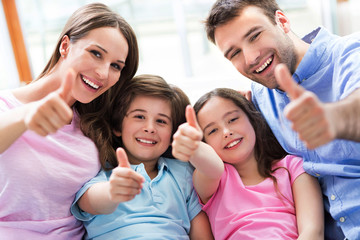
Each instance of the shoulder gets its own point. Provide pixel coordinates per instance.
(293, 164)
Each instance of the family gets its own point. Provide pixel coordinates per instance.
(90, 150)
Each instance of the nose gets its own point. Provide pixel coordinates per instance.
(102, 71)
(227, 133)
(149, 127)
(251, 56)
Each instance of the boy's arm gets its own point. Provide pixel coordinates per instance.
(104, 197)
(309, 207)
(200, 228)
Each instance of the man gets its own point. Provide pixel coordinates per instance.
(321, 108)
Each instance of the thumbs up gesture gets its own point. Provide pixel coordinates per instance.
(124, 182)
(187, 138)
(309, 116)
(52, 112)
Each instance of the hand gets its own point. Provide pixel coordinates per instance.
(187, 138)
(309, 116)
(52, 112)
(124, 182)
(246, 94)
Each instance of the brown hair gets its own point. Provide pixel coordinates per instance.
(80, 23)
(145, 85)
(267, 149)
(224, 11)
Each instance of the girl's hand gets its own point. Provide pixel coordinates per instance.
(124, 182)
(187, 138)
(52, 112)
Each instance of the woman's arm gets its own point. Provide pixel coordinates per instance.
(104, 197)
(200, 228)
(309, 207)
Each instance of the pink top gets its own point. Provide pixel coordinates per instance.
(255, 212)
(39, 177)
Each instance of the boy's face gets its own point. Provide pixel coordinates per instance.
(146, 129)
(255, 45)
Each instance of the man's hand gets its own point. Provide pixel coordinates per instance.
(313, 120)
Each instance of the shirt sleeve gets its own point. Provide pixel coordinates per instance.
(295, 166)
(192, 201)
(75, 209)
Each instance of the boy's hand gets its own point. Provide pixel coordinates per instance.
(125, 183)
(187, 138)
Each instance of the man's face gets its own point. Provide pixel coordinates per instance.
(255, 45)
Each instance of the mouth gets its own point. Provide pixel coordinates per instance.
(90, 83)
(266, 64)
(145, 141)
(233, 143)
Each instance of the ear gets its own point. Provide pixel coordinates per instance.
(117, 133)
(64, 45)
(282, 21)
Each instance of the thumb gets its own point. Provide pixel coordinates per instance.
(122, 158)
(286, 83)
(65, 88)
(191, 116)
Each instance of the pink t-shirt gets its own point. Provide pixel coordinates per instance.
(39, 177)
(255, 212)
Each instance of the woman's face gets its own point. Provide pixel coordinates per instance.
(146, 129)
(228, 130)
(97, 59)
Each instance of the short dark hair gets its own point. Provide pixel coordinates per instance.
(224, 11)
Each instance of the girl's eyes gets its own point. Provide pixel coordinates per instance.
(212, 131)
(233, 119)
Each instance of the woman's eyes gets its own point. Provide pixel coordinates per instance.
(97, 54)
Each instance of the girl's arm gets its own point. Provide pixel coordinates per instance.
(309, 207)
(187, 146)
(104, 197)
(200, 228)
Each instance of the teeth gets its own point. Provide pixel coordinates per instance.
(88, 82)
(145, 141)
(233, 144)
(260, 69)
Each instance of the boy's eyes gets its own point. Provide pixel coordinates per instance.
(161, 121)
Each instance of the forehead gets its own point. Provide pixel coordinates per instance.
(215, 109)
(248, 18)
(151, 104)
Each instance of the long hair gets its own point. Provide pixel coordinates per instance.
(93, 122)
(144, 85)
(267, 149)
(224, 11)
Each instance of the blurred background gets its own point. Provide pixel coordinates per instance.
(171, 37)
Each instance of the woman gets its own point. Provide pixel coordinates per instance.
(45, 151)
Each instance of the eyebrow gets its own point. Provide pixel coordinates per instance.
(225, 115)
(105, 51)
(143, 111)
(247, 34)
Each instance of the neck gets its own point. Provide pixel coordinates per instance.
(249, 172)
(301, 47)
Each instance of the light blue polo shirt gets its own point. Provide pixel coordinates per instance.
(330, 69)
(163, 209)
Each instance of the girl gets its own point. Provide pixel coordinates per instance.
(153, 198)
(45, 156)
(249, 188)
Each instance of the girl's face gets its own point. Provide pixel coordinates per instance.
(146, 129)
(97, 59)
(228, 130)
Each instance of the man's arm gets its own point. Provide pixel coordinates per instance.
(318, 123)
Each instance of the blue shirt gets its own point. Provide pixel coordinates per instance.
(331, 70)
(163, 209)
